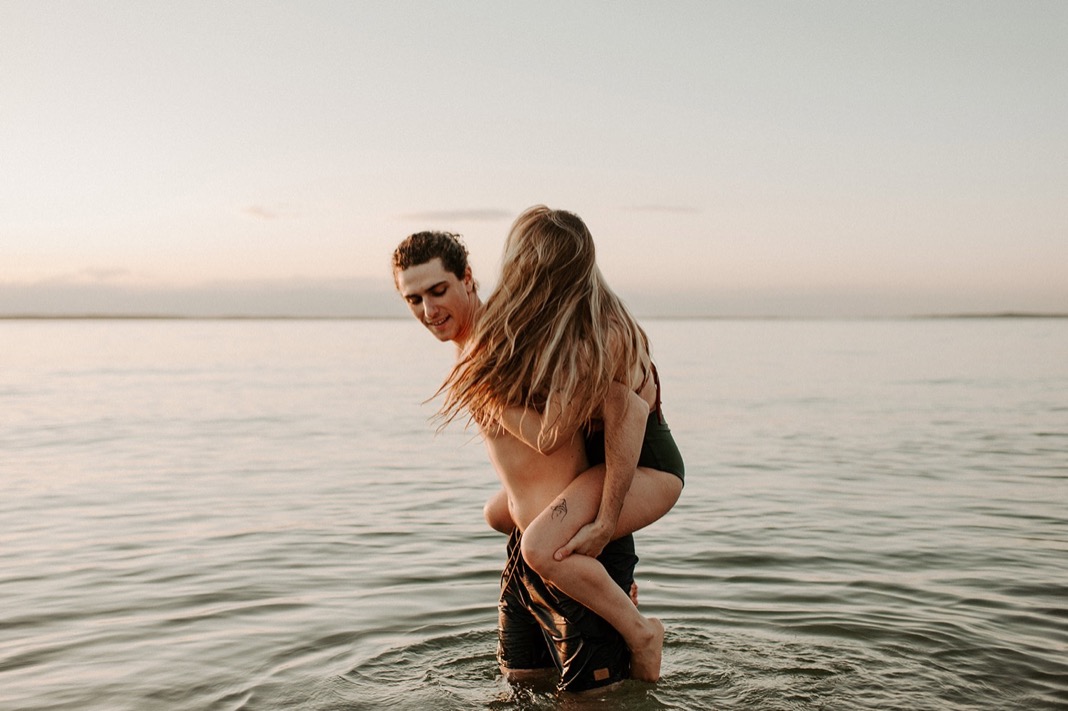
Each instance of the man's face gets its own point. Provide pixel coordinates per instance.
(439, 300)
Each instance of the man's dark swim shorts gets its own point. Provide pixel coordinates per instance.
(540, 628)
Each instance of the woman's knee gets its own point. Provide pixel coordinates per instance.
(663, 488)
(674, 487)
(536, 553)
(649, 499)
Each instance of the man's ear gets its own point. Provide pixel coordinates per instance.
(469, 280)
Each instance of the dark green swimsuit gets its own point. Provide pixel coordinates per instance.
(659, 450)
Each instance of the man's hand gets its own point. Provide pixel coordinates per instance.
(590, 540)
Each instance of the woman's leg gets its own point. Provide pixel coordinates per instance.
(583, 578)
(499, 519)
(652, 494)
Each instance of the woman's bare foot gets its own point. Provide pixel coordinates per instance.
(645, 660)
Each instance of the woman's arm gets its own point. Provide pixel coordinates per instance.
(529, 426)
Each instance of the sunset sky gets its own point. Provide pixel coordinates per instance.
(731, 158)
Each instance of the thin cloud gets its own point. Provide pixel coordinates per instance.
(478, 215)
(105, 273)
(260, 212)
(673, 209)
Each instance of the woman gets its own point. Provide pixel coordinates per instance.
(553, 348)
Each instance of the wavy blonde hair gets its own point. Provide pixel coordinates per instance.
(552, 330)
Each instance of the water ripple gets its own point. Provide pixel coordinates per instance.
(258, 516)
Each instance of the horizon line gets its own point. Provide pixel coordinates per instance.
(652, 317)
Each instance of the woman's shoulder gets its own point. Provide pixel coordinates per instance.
(627, 356)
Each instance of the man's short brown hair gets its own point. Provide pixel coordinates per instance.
(422, 247)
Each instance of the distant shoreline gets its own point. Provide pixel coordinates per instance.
(1006, 315)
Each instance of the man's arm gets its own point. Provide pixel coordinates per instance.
(625, 414)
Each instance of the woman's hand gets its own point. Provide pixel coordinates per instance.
(589, 540)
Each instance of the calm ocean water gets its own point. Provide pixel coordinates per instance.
(258, 515)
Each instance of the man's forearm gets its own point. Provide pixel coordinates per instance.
(625, 414)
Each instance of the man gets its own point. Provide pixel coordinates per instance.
(538, 627)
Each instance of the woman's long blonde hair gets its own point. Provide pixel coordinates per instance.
(551, 330)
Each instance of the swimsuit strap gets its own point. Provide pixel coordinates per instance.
(656, 381)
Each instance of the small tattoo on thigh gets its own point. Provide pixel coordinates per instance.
(560, 509)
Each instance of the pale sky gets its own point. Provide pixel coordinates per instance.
(730, 158)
